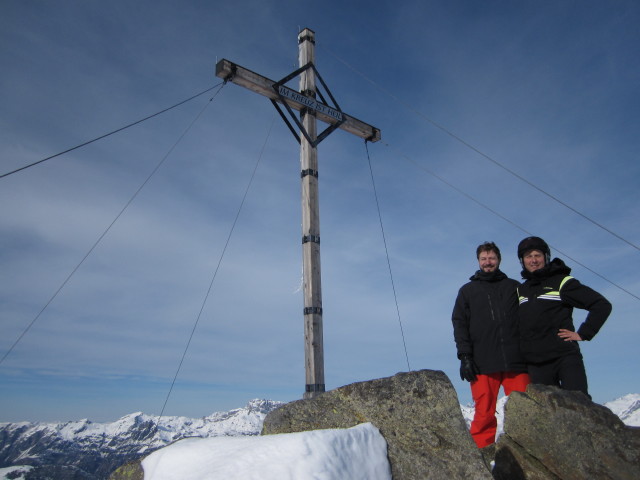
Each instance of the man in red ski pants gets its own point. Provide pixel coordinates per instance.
(485, 329)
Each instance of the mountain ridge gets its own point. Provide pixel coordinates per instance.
(90, 451)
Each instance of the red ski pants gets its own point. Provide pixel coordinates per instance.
(485, 395)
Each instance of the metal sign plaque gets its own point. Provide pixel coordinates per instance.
(309, 102)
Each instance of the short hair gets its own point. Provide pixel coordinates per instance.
(488, 247)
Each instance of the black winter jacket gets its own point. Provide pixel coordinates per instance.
(485, 322)
(547, 299)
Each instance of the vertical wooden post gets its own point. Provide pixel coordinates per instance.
(314, 349)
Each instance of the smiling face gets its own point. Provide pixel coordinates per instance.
(488, 261)
(533, 260)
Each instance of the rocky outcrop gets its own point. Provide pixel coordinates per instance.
(418, 414)
(552, 434)
(130, 471)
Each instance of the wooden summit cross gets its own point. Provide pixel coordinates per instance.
(305, 101)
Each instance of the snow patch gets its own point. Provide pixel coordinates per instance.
(357, 453)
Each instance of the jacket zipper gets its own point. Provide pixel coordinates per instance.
(500, 333)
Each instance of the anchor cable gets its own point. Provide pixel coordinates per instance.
(215, 274)
(104, 233)
(110, 133)
(497, 214)
(481, 153)
(384, 240)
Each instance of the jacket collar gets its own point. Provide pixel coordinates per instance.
(495, 276)
(555, 267)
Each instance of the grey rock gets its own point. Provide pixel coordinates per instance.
(130, 471)
(552, 434)
(488, 455)
(417, 413)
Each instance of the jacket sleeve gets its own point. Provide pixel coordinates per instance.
(580, 296)
(461, 318)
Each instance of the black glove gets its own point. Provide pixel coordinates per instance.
(468, 368)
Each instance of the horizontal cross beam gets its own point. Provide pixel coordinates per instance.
(232, 72)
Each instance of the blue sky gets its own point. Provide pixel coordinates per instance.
(468, 95)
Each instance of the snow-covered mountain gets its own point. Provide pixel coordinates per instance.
(90, 451)
(627, 408)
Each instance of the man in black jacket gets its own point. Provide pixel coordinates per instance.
(485, 331)
(548, 339)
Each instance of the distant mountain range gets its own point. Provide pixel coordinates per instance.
(84, 450)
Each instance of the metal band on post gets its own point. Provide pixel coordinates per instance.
(315, 388)
(311, 238)
(309, 37)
